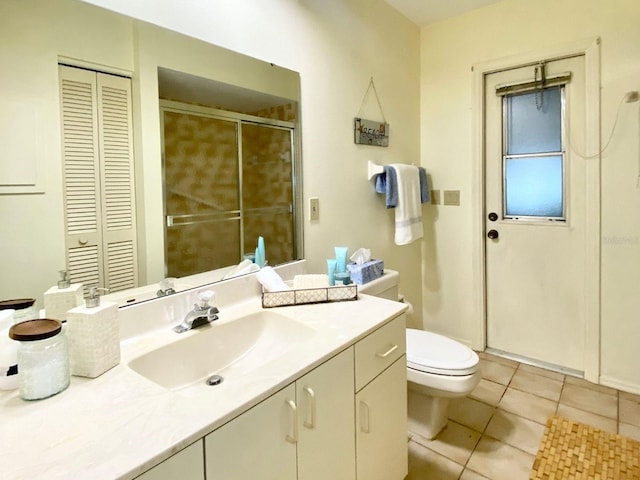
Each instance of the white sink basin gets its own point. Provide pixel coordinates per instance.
(230, 349)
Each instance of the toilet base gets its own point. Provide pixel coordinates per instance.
(427, 415)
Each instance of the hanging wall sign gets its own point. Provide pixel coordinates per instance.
(371, 132)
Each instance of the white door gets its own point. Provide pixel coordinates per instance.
(260, 444)
(381, 425)
(326, 418)
(535, 213)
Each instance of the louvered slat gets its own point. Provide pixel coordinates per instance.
(120, 256)
(118, 208)
(83, 266)
(78, 140)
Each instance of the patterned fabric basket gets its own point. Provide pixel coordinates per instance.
(338, 293)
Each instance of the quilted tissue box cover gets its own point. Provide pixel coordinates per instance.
(366, 272)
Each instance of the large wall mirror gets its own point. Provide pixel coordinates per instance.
(215, 138)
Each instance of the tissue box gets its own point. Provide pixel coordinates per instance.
(366, 272)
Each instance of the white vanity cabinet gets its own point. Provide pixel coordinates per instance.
(344, 420)
(304, 431)
(256, 445)
(381, 403)
(187, 464)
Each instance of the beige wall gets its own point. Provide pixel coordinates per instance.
(335, 46)
(513, 27)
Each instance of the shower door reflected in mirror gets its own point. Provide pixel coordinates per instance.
(209, 161)
(267, 200)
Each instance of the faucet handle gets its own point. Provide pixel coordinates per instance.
(205, 297)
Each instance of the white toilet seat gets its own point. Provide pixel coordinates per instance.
(435, 354)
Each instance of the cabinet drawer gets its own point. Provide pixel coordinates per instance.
(380, 349)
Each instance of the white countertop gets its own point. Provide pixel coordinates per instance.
(121, 424)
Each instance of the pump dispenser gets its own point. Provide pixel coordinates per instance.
(61, 298)
(93, 335)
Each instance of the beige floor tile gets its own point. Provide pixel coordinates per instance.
(456, 442)
(541, 371)
(471, 475)
(425, 464)
(630, 412)
(488, 392)
(598, 421)
(590, 400)
(537, 384)
(629, 396)
(527, 405)
(581, 382)
(498, 359)
(499, 461)
(470, 413)
(496, 372)
(630, 431)
(515, 431)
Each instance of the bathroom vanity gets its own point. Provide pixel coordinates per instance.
(331, 403)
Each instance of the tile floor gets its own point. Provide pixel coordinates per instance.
(494, 433)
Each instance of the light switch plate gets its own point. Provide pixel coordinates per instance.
(452, 197)
(314, 209)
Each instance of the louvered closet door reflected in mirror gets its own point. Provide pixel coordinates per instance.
(98, 179)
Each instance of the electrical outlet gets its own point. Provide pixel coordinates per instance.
(435, 197)
(314, 209)
(452, 197)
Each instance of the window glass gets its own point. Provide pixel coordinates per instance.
(533, 162)
(531, 129)
(534, 186)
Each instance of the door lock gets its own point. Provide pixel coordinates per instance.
(492, 234)
(493, 216)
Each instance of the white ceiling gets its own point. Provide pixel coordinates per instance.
(423, 12)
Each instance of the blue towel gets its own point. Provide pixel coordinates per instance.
(425, 196)
(387, 182)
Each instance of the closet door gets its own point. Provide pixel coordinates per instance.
(98, 179)
(117, 186)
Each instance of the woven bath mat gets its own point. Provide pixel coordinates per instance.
(571, 450)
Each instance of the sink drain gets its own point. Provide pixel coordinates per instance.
(214, 380)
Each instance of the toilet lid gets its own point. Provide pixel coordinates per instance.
(432, 353)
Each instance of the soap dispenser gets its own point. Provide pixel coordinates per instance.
(93, 335)
(61, 298)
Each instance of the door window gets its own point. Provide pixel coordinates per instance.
(533, 155)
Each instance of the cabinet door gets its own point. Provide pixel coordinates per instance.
(187, 464)
(257, 445)
(326, 449)
(381, 429)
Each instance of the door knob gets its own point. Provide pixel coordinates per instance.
(493, 216)
(492, 234)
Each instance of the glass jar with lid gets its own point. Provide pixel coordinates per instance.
(24, 308)
(43, 358)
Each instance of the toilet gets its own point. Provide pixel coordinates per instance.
(438, 368)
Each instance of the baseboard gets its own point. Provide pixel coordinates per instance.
(619, 384)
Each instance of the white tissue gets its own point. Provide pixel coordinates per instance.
(271, 281)
(360, 256)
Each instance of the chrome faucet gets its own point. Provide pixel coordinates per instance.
(166, 287)
(202, 313)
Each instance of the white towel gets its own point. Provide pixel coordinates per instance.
(271, 281)
(409, 208)
(313, 280)
(244, 267)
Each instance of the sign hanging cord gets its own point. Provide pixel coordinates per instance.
(372, 85)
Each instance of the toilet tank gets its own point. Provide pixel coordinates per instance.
(384, 287)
